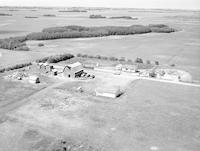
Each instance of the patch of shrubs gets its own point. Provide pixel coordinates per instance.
(3, 14)
(22, 48)
(138, 60)
(123, 17)
(56, 58)
(81, 32)
(161, 28)
(96, 16)
(30, 17)
(49, 15)
(40, 44)
(75, 11)
(13, 42)
(91, 56)
(18, 66)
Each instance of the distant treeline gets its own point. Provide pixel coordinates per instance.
(96, 16)
(13, 10)
(18, 66)
(55, 58)
(3, 14)
(117, 17)
(73, 31)
(77, 11)
(123, 17)
(30, 17)
(122, 59)
(49, 15)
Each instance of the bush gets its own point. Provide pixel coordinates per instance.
(156, 63)
(104, 58)
(138, 60)
(18, 66)
(129, 61)
(123, 17)
(96, 16)
(49, 15)
(122, 59)
(113, 58)
(148, 62)
(85, 56)
(22, 48)
(3, 14)
(98, 56)
(58, 58)
(2, 70)
(42, 59)
(90, 56)
(79, 55)
(40, 44)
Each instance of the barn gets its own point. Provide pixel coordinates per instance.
(73, 70)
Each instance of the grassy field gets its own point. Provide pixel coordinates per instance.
(168, 120)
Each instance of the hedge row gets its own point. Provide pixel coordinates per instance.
(18, 66)
(56, 58)
(122, 59)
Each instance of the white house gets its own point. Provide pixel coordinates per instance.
(108, 92)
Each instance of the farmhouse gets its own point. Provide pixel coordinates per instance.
(108, 92)
(127, 68)
(73, 70)
(45, 67)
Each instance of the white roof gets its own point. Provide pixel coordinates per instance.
(33, 77)
(73, 65)
(113, 89)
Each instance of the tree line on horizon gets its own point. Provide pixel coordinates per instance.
(73, 31)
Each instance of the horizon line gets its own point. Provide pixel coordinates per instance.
(197, 9)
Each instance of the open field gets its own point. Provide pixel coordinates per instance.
(168, 120)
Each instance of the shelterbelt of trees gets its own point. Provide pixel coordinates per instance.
(73, 31)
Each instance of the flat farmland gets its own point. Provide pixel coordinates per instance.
(180, 48)
(168, 120)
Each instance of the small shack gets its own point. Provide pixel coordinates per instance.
(73, 70)
(34, 79)
(112, 92)
(45, 67)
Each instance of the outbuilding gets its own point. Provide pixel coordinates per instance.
(127, 68)
(73, 70)
(34, 79)
(112, 92)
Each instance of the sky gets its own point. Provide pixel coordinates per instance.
(169, 4)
